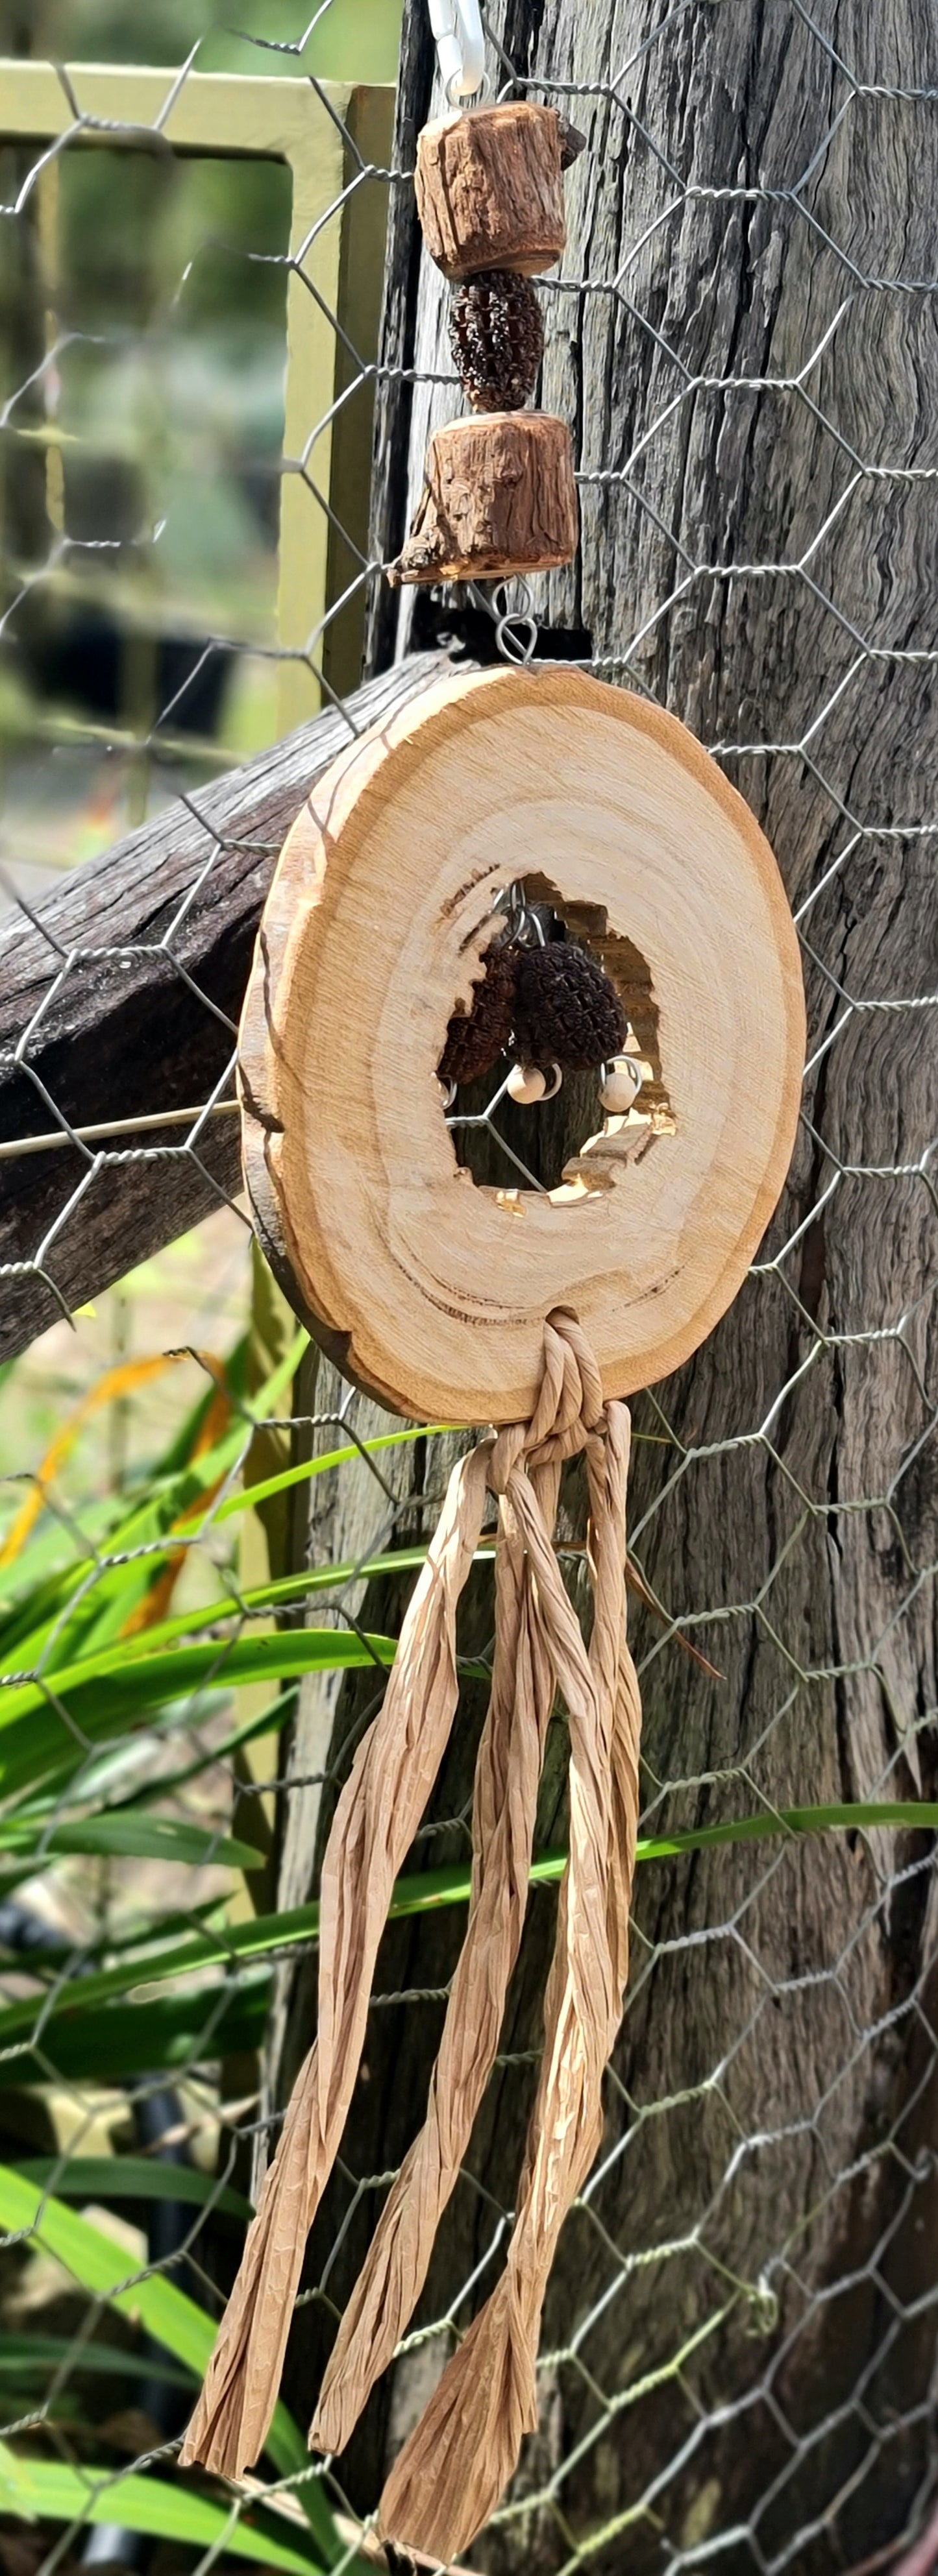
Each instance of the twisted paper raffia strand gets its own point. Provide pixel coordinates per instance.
(455, 2465)
(375, 1822)
(457, 2462)
(506, 1784)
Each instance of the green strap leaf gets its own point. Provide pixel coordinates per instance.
(102, 2268)
(287, 1588)
(31, 2356)
(141, 1676)
(88, 1702)
(151, 1522)
(237, 1943)
(173, 2030)
(916, 1815)
(48, 2490)
(131, 1834)
(259, 1597)
(165, 2312)
(130, 2178)
(254, 1494)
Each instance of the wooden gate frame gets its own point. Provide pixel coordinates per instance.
(335, 138)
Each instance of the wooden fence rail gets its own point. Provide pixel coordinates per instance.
(119, 1000)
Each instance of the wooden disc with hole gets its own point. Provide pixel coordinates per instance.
(431, 1292)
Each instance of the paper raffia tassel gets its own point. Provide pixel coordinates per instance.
(451, 2472)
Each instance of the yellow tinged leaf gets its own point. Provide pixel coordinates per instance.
(111, 1389)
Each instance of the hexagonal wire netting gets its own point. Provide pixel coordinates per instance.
(169, 1723)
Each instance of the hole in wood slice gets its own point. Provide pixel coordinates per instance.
(509, 1147)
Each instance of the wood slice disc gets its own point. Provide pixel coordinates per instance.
(427, 1290)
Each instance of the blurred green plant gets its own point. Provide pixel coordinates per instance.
(100, 1676)
(142, 365)
(347, 39)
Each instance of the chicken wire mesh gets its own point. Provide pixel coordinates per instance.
(738, 2355)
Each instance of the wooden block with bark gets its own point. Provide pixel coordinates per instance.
(499, 498)
(490, 189)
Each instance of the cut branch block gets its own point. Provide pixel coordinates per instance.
(500, 498)
(427, 1290)
(490, 189)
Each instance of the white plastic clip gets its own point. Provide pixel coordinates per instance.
(460, 46)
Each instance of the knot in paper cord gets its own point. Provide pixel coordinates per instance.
(452, 2470)
(569, 1406)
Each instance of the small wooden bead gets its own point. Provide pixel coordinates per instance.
(622, 1084)
(526, 1084)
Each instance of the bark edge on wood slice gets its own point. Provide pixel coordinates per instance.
(490, 189)
(499, 498)
(430, 1292)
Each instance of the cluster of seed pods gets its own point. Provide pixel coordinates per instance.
(553, 1004)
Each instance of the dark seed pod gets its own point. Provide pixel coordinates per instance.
(475, 1039)
(566, 1012)
(497, 338)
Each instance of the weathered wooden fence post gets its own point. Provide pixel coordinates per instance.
(741, 331)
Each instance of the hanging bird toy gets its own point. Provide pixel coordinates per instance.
(398, 957)
(383, 969)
